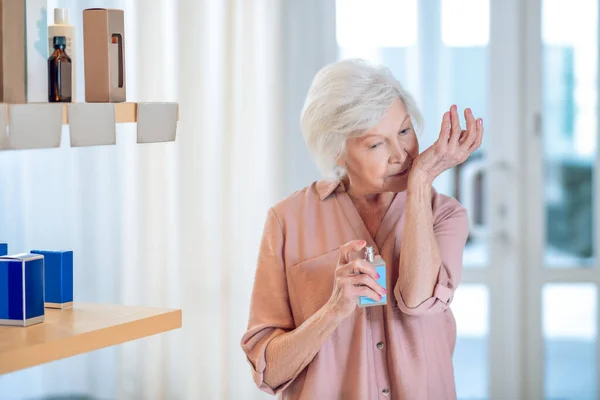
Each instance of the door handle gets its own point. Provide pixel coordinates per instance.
(468, 179)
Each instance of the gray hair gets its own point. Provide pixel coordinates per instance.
(347, 99)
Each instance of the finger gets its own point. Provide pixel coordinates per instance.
(468, 136)
(351, 289)
(348, 248)
(366, 292)
(357, 267)
(479, 137)
(456, 129)
(445, 128)
(366, 280)
(470, 120)
(475, 131)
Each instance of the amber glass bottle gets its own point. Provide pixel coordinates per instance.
(59, 72)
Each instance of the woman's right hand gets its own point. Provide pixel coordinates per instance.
(353, 279)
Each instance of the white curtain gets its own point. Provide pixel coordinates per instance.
(171, 225)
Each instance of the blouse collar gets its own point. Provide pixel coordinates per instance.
(326, 187)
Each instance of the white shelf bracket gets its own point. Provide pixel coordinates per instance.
(30, 126)
(156, 122)
(92, 124)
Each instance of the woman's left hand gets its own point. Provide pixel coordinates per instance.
(453, 147)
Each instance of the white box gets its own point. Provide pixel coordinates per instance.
(36, 44)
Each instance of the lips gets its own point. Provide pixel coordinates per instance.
(402, 173)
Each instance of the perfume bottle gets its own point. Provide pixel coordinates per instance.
(380, 267)
(59, 72)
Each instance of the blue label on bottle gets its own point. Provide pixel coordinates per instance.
(367, 301)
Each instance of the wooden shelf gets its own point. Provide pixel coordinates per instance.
(124, 112)
(81, 329)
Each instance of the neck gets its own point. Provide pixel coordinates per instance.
(372, 208)
(368, 200)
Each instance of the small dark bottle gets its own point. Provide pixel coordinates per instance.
(59, 72)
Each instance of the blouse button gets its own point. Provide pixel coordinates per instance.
(380, 345)
(386, 392)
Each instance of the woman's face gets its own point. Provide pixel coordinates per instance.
(380, 160)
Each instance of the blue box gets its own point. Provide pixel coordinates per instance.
(21, 289)
(3, 249)
(58, 278)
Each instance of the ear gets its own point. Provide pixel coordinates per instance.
(340, 160)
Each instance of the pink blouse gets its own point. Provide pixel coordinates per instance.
(380, 352)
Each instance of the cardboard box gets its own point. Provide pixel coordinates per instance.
(21, 290)
(104, 55)
(58, 278)
(12, 51)
(36, 26)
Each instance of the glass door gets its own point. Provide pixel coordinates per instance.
(527, 307)
(563, 219)
(444, 53)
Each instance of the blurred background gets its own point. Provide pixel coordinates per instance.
(178, 224)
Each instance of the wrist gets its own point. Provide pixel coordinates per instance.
(422, 171)
(332, 313)
(420, 177)
(419, 186)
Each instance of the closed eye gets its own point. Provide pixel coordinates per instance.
(375, 145)
(404, 131)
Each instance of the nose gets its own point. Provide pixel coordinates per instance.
(398, 154)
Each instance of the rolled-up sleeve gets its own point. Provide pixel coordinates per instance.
(451, 229)
(270, 314)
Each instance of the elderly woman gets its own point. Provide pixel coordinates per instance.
(307, 338)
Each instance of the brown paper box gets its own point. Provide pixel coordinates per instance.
(12, 51)
(104, 55)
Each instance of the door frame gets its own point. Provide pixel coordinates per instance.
(535, 224)
(506, 185)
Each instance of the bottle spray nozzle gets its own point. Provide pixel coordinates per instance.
(369, 253)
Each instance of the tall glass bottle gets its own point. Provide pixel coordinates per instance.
(59, 72)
